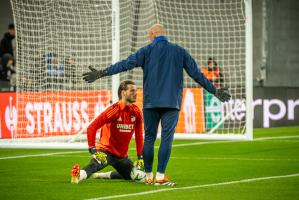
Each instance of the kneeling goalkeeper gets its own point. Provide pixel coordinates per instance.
(118, 123)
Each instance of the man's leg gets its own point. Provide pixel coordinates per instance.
(107, 175)
(93, 166)
(169, 121)
(151, 122)
(126, 169)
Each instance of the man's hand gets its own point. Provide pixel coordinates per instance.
(92, 150)
(101, 157)
(222, 95)
(139, 163)
(94, 74)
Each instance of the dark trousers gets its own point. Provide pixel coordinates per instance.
(152, 117)
(123, 166)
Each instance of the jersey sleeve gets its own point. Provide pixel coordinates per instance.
(136, 59)
(139, 133)
(104, 118)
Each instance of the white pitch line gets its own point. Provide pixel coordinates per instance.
(175, 145)
(41, 155)
(286, 141)
(205, 158)
(277, 137)
(232, 158)
(228, 141)
(195, 187)
(133, 148)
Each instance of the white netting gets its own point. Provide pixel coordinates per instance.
(56, 42)
(58, 39)
(207, 29)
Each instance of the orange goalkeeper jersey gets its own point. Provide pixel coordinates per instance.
(117, 123)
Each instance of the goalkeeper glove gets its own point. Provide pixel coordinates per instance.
(94, 74)
(222, 94)
(139, 163)
(101, 157)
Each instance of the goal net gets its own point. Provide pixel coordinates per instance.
(58, 39)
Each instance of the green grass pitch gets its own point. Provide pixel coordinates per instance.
(266, 168)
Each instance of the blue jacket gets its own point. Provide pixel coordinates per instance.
(163, 63)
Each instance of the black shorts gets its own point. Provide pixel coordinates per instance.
(123, 166)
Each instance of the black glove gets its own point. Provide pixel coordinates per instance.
(222, 95)
(92, 150)
(94, 74)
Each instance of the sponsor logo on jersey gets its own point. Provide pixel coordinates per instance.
(125, 127)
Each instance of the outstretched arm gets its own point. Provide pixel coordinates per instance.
(193, 71)
(134, 60)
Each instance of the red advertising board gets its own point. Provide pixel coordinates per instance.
(43, 114)
(191, 118)
(8, 114)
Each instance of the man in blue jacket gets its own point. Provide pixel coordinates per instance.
(162, 63)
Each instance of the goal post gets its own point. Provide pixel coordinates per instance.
(58, 40)
(115, 46)
(249, 68)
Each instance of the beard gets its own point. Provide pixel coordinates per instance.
(131, 100)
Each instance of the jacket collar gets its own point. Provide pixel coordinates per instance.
(158, 39)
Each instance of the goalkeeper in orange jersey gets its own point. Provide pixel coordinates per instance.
(118, 123)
